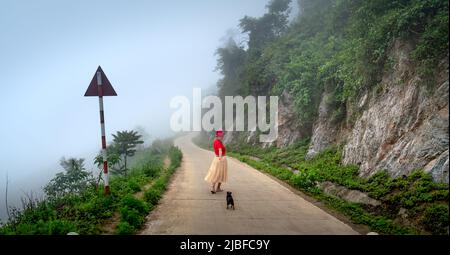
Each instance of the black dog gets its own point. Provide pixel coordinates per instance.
(230, 201)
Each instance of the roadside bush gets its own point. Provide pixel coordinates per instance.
(24, 229)
(124, 228)
(132, 217)
(160, 184)
(95, 209)
(379, 185)
(133, 212)
(175, 156)
(304, 180)
(119, 187)
(41, 227)
(435, 219)
(284, 174)
(152, 169)
(133, 203)
(152, 196)
(134, 186)
(60, 227)
(33, 211)
(417, 188)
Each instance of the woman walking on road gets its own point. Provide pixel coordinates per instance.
(218, 171)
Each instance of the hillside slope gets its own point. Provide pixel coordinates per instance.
(370, 77)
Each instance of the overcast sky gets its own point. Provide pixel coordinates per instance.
(151, 51)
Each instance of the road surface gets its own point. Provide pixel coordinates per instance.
(263, 206)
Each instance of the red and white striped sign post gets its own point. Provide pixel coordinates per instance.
(100, 86)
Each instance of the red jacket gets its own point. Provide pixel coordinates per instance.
(219, 145)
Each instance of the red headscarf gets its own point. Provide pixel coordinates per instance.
(219, 133)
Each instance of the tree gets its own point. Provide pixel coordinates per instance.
(125, 143)
(267, 28)
(230, 62)
(73, 181)
(243, 70)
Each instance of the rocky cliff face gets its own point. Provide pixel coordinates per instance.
(404, 127)
(290, 129)
(402, 124)
(324, 129)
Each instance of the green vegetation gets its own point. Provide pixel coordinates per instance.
(123, 146)
(134, 210)
(132, 214)
(435, 219)
(340, 46)
(425, 202)
(74, 180)
(152, 196)
(85, 210)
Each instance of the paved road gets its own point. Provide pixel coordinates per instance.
(263, 206)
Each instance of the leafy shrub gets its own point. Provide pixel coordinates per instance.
(152, 196)
(175, 156)
(133, 203)
(160, 184)
(152, 170)
(435, 219)
(60, 227)
(33, 211)
(134, 186)
(284, 174)
(132, 217)
(304, 180)
(124, 228)
(25, 229)
(379, 184)
(417, 188)
(18, 229)
(119, 187)
(74, 180)
(440, 194)
(53, 227)
(133, 211)
(96, 208)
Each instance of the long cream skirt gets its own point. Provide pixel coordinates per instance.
(218, 171)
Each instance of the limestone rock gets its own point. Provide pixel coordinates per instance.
(289, 127)
(324, 130)
(406, 127)
(439, 168)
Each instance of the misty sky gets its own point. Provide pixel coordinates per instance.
(151, 51)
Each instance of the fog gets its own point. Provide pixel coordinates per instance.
(151, 51)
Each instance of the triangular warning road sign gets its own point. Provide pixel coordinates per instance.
(106, 87)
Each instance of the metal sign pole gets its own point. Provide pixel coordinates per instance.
(100, 86)
(102, 125)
